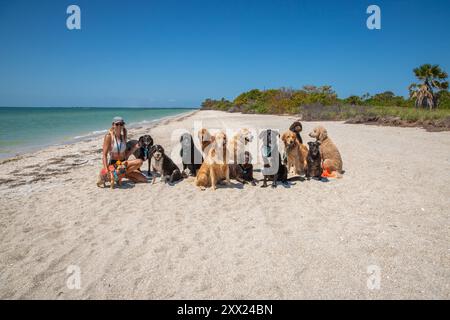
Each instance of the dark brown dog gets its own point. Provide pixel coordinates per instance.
(314, 161)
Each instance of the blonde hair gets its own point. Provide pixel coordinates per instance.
(123, 133)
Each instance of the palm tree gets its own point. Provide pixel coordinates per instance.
(432, 77)
(421, 93)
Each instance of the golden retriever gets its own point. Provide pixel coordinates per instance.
(215, 167)
(331, 158)
(296, 152)
(238, 143)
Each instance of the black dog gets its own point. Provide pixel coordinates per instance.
(164, 165)
(272, 170)
(190, 155)
(143, 152)
(243, 172)
(314, 167)
(296, 128)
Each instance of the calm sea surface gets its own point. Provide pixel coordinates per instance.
(23, 129)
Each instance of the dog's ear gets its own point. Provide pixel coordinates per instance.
(315, 133)
(141, 140)
(323, 134)
(319, 143)
(249, 155)
(199, 135)
(152, 150)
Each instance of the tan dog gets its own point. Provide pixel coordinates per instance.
(331, 158)
(215, 167)
(238, 143)
(296, 152)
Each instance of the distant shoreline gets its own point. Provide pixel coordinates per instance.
(153, 108)
(68, 138)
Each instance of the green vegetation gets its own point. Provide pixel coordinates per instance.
(322, 103)
(432, 78)
(290, 101)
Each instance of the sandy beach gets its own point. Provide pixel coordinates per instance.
(312, 240)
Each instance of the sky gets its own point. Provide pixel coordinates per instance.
(177, 53)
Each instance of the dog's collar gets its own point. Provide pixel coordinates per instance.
(267, 152)
(243, 169)
(145, 153)
(116, 177)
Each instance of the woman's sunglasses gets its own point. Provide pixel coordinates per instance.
(121, 124)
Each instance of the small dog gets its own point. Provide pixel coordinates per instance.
(163, 165)
(143, 152)
(114, 174)
(191, 157)
(296, 128)
(331, 158)
(296, 152)
(215, 167)
(272, 170)
(314, 160)
(243, 172)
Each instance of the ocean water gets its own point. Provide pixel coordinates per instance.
(25, 129)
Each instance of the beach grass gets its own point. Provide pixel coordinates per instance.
(350, 113)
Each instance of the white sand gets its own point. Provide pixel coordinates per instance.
(313, 240)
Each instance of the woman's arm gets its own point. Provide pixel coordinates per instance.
(129, 152)
(106, 146)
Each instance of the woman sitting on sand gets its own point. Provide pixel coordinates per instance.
(115, 143)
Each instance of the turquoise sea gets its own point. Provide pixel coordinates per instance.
(24, 129)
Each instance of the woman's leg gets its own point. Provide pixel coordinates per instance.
(133, 173)
(134, 165)
(136, 177)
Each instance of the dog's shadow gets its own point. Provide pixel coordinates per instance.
(174, 183)
(232, 185)
(287, 185)
(324, 180)
(297, 178)
(126, 185)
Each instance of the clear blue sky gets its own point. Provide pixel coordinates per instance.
(176, 53)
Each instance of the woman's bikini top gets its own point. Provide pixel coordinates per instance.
(118, 148)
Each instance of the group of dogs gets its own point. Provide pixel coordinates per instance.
(221, 159)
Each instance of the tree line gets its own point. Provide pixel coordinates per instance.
(430, 92)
